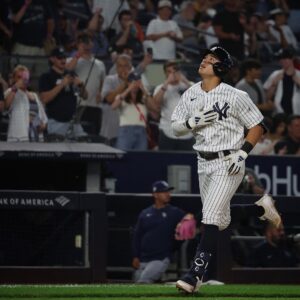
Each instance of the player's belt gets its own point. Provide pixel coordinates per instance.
(214, 155)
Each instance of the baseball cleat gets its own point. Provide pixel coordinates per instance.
(188, 284)
(271, 214)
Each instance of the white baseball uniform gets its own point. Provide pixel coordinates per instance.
(235, 111)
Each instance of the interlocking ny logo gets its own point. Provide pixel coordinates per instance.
(221, 111)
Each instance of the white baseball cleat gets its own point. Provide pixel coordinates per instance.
(189, 284)
(271, 214)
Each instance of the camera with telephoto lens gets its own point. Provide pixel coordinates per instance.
(134, 76)
(70, 72)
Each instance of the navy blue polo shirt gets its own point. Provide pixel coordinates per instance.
(154, 232)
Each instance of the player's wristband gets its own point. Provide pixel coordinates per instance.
(247, 147)
(14, 89)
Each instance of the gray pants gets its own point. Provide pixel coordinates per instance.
(151, 271)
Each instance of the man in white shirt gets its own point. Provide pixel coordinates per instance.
(280, 31)
(163, 33)
(92, 72)
(166, 98)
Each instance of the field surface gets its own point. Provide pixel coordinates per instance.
(147, 292)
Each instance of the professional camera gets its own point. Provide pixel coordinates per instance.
(71, 73)
(134, 76)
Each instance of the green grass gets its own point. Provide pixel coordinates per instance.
(148, 292)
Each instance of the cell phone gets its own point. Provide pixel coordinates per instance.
(150, 50)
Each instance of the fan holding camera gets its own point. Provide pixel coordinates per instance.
(133, 105)
(59, 90)
(165, 97)
(27, 118)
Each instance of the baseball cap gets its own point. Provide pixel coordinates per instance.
(164, 3)
(161, 186)
(58, 52)
(276, 11)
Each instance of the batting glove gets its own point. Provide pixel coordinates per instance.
(236, 161)
(202, 118)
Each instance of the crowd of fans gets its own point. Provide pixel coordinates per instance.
(97, 84)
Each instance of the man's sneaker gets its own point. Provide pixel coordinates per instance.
(188, 283)
(271, 214)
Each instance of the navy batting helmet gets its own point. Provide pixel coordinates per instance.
(225, 64)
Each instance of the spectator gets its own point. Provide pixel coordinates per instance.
(133, 105)
(5, 28)
(59, 90)
(27, 118)
(100, 41)
(131, 34)
(263, 37)
(280, 31)
(109, 10)
(230, 27)
(250, 184)
(63, 35)
(204, 8)
(33, 29)
(291, 143)
(282, 86)
(185, 19)
(251, 83)
(163, 33)
(166, 97)
(139, 68)
(208, 31)
(276, 251)
(91, 72)
(114, 85)
(277, 130)
(154, 235)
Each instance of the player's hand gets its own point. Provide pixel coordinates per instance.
(236, 161)
(201, 119)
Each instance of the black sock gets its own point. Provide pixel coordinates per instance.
(209, 239)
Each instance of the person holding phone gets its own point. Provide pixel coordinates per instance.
(166, 97)
(27, 117)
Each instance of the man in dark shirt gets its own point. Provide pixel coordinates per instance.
(59, 90)
(154, 235)
(291, 143)
(130, 34)
(230, 25)
(33, 22)
(275, 251)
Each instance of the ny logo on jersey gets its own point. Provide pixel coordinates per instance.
(221, 111)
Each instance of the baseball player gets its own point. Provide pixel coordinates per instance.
(216, 114)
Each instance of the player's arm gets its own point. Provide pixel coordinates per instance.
(254, 134)
(237, 159)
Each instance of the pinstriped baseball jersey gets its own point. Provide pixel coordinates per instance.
(235, 111)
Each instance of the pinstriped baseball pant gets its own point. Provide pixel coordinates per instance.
(216, 190)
